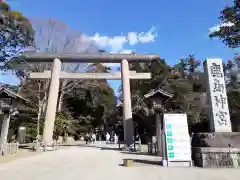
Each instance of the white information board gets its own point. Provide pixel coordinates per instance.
(177, 137)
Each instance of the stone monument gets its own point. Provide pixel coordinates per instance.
(217, 96)
(220, 147)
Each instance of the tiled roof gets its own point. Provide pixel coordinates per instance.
(159, 90)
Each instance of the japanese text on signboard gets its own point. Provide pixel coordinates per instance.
(219, 94)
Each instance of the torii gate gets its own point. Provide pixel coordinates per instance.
(57, 74)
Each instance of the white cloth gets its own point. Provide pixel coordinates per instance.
(115, 139)
(94, 136)
(107, 137)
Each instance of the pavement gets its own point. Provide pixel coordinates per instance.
(103, 162)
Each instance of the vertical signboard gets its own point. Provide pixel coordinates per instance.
(216, 90)
(177, 138)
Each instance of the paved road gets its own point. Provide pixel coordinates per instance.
(91, 163)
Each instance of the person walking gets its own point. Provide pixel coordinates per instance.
(115, 138)
(100, 138)
(107, 138)
(93, 138)
(86, 138)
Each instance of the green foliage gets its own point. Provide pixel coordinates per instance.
(16, 33)
(229, 32)
(179, 80)
(88, 112)
(234, 101)
(65, 125)
(232, 72)
(26, 120)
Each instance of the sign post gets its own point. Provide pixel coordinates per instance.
(219, 117)
(177, 140)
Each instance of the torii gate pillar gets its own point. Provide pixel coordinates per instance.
(52, 103)
(127, 104)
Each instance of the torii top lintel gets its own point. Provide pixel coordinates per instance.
(93, 58)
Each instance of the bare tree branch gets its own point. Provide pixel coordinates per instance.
(55, 36)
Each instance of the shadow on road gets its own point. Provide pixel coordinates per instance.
(106, 147)
(91, 145)
(79, 145)
(110, 148)
(28, 147)
(144, 161)
(150, 162)
(139, 153)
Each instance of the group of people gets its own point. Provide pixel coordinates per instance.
(91, 138)
(111, 138)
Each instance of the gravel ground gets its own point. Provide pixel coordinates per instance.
(92, 163)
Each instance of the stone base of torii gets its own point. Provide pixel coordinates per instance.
(56, 75)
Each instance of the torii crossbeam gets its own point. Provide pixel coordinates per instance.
(57, 74)
(95, 76)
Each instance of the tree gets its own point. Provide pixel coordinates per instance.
(172, 79)
(229, 30)
(233, 85)
(92, 102)
(36, 93)
(179, 80)
(55, 36)
(229, 33)
(96, 95)
(65, 125)
(16, 33)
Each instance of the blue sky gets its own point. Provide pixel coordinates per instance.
(182, 26)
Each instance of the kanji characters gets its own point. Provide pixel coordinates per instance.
(220, 101)
(216, 70)
(222, 120)
(218, 87)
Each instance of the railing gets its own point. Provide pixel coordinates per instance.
(134, 145)
(10, 148)
(40, 146)
(13, 148)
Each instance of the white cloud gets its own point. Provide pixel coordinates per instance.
(217, 27)
(116, 44)
(148, 36)
(127, 51)
(132, 38)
